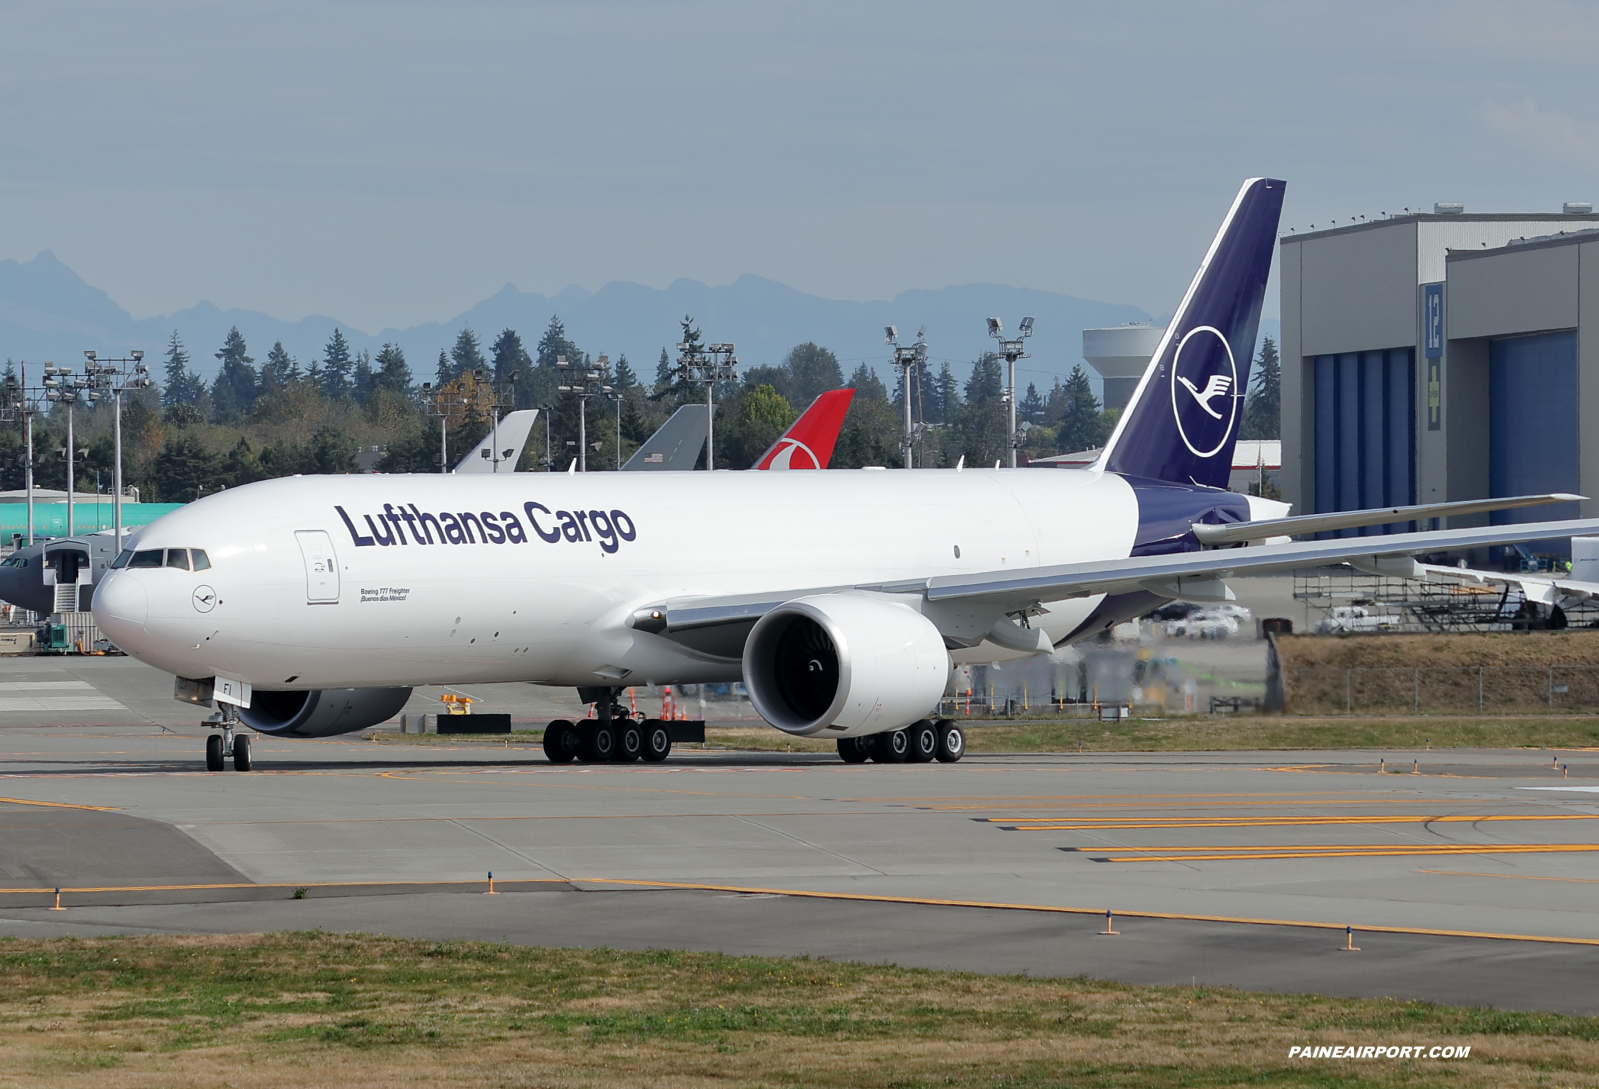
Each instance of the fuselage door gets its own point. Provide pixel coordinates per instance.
(321, 566)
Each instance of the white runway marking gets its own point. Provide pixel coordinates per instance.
(39, 686)
(73, 696)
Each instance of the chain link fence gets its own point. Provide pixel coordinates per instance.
(1484, 690)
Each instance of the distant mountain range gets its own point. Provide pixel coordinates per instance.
(48, 313)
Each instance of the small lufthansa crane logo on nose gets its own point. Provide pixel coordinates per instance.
(205, 599)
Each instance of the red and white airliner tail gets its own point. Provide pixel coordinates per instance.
(808, 443)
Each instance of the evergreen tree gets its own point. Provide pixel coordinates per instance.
(393, 373)
(361, 380)
(467, 355)
(867, 386)
(336, 364)
(445, 373)
(1263, 410)
(944, 396)
(181, 386)
(511, 360)
(691, 335)
(625, 378)
(278, 370)
(554, 343)
(987, 382)
(236, 385)
(1081, 425)
(1031, 407)
(664, 377)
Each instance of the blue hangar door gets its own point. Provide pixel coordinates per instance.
(1532, 427)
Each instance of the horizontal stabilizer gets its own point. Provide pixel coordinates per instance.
(1236, 532)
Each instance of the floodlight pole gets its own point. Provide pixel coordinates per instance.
(436, 406)
(590, 387)
(617, 397)
(711, 364)
(1012, 351)
(112, 374)
(27, 427)
(71, 463)
(907, 358)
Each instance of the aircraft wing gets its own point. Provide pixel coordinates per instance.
(721, 622)
(1167, 575)
(512, 434)
(1544, 588)
(676, 444)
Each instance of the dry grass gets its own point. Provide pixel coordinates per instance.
(1251, 732)
(317, 1009)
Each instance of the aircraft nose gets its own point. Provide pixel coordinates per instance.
(120, 607)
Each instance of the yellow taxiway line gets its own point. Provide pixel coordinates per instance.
(1098, 912)
(1252, 854)
(1096, 824)
(60, 805)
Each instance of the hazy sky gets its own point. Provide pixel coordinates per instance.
(393, 163)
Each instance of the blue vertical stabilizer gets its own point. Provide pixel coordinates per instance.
(1182, 422)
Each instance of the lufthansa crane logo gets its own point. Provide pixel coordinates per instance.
(792, 454)
(205, 599)
(1204, 374)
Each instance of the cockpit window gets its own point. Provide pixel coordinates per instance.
(122, 559)
(202, 562)
(178, 557)
(149, 557)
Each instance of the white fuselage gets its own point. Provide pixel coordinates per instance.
(549, 603)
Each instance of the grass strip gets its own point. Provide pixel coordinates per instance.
(313, 1008)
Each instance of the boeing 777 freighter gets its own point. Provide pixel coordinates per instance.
(311, 606)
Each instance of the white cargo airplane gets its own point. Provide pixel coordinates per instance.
(310, 606)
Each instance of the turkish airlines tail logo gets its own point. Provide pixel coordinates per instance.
(808, 442)
(1218, 386)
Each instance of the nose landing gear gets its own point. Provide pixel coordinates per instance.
(218, 747)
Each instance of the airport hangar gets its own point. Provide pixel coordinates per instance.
(1443, 356)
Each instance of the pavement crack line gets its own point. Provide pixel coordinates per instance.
(813, 846)
(508, 848)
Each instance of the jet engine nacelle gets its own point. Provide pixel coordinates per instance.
(321, 712)
(844, 665)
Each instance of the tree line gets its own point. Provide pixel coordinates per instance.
(185, 438)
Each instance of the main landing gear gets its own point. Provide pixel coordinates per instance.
(612, 737)
(919, 743)
(218, 747)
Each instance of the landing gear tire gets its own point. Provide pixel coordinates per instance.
(657, 741)
(852, 750)
(629, 741)
(561, 741)
(924, 742)
(951, 741)
(599, 743)
(213, 753)
(892, 748)
(241, 753)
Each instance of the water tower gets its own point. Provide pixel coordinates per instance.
(1120, 355)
